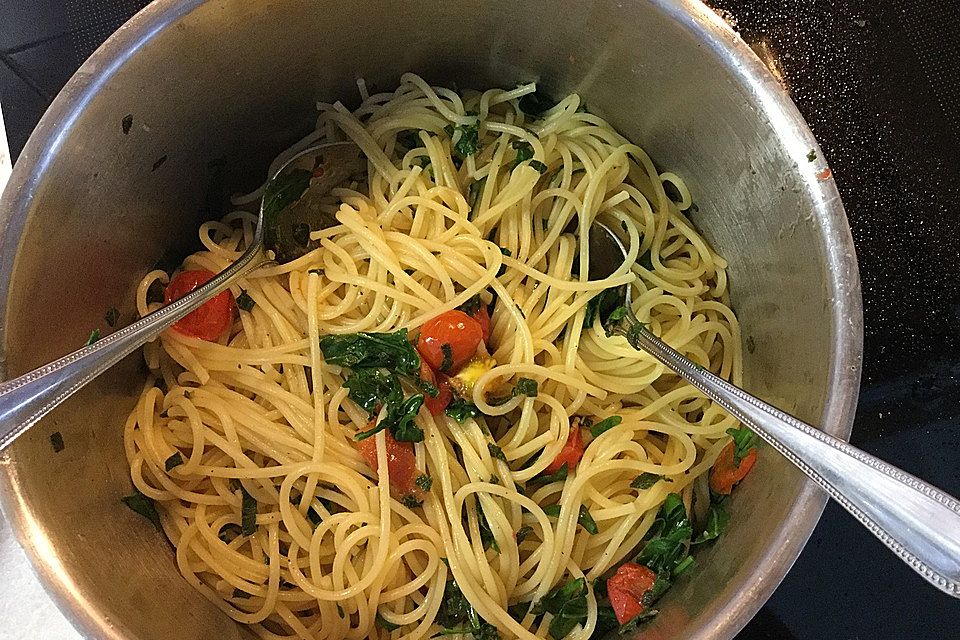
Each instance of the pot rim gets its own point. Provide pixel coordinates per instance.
(843, 289)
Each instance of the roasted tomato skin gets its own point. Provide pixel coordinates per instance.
(449, 341)
(401, 465)
(626, 589)
(571, 453)
(212, 318)
(725, 473)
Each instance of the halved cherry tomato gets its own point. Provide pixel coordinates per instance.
(211, 319)
(435, 405)
(626, 589)
(725, 472)
(448, 341)
(483, 317)
(571, 453)
(401, 464)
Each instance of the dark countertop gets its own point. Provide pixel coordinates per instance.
(879, 84)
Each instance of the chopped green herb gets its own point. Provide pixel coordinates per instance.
(424, 481)
(279, 194)
(400, 420)
(518, 611)
(539, 166)
(523, 532)
(811, 155)
(503, 267)
(471, 306)
(447, 360)
(524, 151)
(371, 388)
(340, 612)
(385, 624)
(111, 316)
(717, 520)
(245, 302)
(568, 604)
(94, 336)
(410, 501)
(388, 350)
(672, 530)
(143, 505)
(469, 140)
(523, 387)
(584, 519)
(460, 410)
(600, 305)
(457, 616)
(474, 193)
(486, 534)
(605, 425)
(646, 480)
(56, 441)
(248, 513)
(496, 452)
(173, 461)
(743, 441)
(559, 476)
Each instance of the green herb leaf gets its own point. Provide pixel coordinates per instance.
(599, 305)
(743, 440)
(646, 480)
(584, 519)
(503, 267)
(668, 550)
(471, 306)
(539, 166)
(424, 481)
(385, 624)
(486, 534)
(248, 513)
(811, 155)
(522, 533)
(143, 505)
(391, 351)
(402, 426)
(56, 441)
(518, 611)
(340, 612)
(280, 193)
(717, 521)
(94, 336)
(373, 388)
(111, 316)
(447, 360)
(559, 476)
(496, 452)
(457, 616)
(605, 425)
(461, 410)
(469, 140)
(245, 302)
(523, 387)
(568, 604)
(524, 151)
(173, 461)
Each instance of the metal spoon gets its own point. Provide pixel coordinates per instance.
(24, 400)
(917, 521)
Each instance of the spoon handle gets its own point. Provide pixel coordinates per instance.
(917, 521)
(26, 399)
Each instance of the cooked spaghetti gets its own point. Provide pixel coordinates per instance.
(303, 503)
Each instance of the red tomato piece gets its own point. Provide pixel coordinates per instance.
(725, 472)
(435, 405)
(401, 464)
(626, 589)
(448, 341)
(483, 317)
(210, 320)
(571, 453)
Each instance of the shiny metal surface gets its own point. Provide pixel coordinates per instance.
(28, 398)
(231, 83)
(917, 521)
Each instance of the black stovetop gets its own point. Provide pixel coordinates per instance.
(879, 84)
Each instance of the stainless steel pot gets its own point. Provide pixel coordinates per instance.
(117, 175)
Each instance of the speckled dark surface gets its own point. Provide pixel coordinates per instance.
(879, 84)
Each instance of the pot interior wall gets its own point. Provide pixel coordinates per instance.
(228, 84)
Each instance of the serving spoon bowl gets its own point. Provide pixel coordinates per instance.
(26, 399)
(917, 521)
